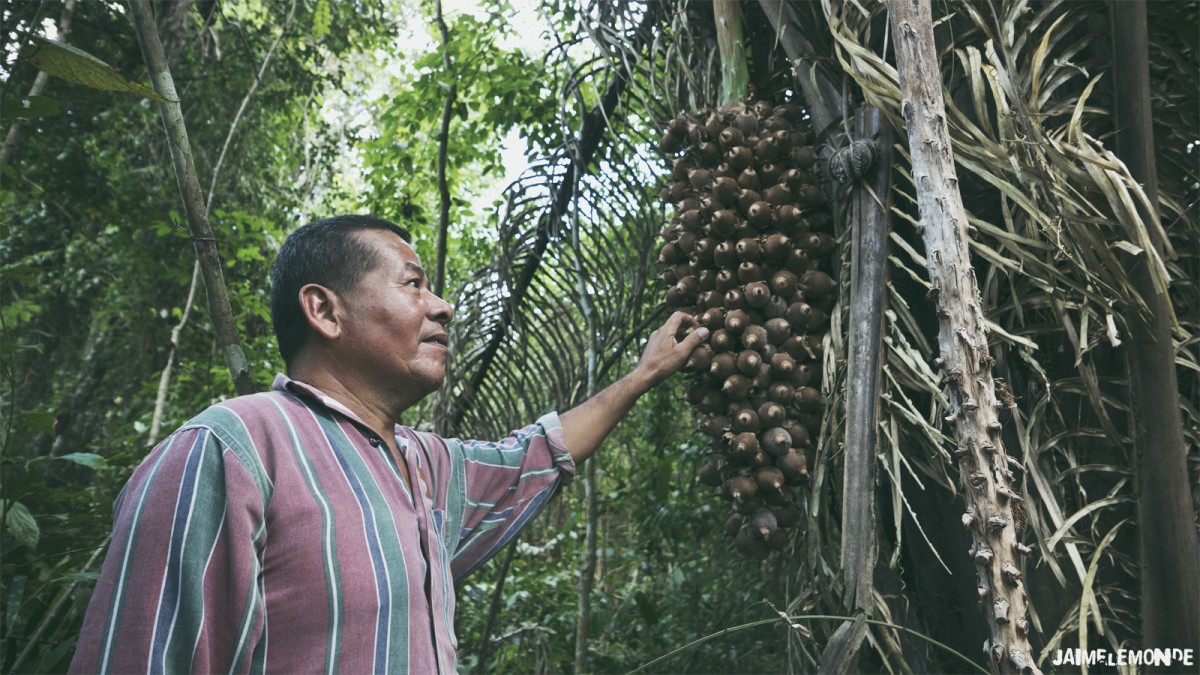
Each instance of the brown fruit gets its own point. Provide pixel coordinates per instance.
(777, 195)
(722, 365)
(747, 122)
(748, 250)
(817, 244)
(778, 330)
(782, 393)
(798, 262)
(692, 219)
(750, 545)
(736, 321)
(740, 157)
(787, 515)
(776, 247)
(769, 479)
(735, 299)
(726, 281)
(713, 318)
(721, 340)
(748, 272)
(724, 170)
(763, 523)
(775, 308)
(705, 248)
(669, 144)
(748, 362)
(757, 294)
(782, 366)
(799, 433)
(709, 153)
(714, 426)
(769, 172)
(749, 180)
(670, 254)
(772, 414)
(754, 337)
(725, 254)
(766, 149)
(695, 392)
(803, 375)
(804, 156)
(699, 360)
(794, 466)
(808, 399)
(777, 540)
(746, 198)
(745, 421)
(710, 475)
(736, 387)
(799, 315)
(811, 195)
(700, 179)
(776, 441)
(713, 403)
(816, 284)
(733, 523)
(742, 488)
(787, 216)
(723, 222)
(759, 215)
(743, 446)
(731, 137)
(726, 190)
(783, 283)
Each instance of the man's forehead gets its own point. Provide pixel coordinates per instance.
(384, 241)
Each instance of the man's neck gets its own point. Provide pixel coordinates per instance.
(371, 407)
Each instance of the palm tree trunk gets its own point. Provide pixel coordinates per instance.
(731, 41)
(1170, 559)
(986, 482)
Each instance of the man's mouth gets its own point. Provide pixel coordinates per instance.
(441, 340)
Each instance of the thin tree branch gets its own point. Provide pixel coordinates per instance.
(189, 187)
(439, 272)
(164, 381)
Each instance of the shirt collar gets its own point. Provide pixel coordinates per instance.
(307, 391)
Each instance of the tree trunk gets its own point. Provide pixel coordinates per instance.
(986, 481)
(870, 209)
(193, 201)
(439, 271)
(17, 129)
(1170, 560)
(587, 573)
(731, 41)
(821, 97)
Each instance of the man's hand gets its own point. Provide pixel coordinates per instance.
(669, 348)
(587, 424)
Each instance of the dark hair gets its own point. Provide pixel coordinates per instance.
(324, 252)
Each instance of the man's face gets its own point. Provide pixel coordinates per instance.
(394, 326)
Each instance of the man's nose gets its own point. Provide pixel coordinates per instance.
(440, 310)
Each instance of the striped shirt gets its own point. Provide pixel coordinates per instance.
(274, 533)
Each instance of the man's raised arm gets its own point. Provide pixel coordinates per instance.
(587, 424)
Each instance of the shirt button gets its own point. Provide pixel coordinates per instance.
(375, 442)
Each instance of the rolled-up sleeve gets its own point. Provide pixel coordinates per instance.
(501, 486)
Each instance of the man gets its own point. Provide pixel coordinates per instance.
(302, 530)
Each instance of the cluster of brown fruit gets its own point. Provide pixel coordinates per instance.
(742, 253)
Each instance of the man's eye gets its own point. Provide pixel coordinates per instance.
(415, 282)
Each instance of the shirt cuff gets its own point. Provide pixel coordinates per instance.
(557, 442)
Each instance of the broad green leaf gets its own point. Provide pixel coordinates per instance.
(89, 459)
(20, 524)
(78, 67)
(28, 108)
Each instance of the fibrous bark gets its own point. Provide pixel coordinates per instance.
(986, 480)
(1169, 556)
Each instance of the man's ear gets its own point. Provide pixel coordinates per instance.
(319, 305)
